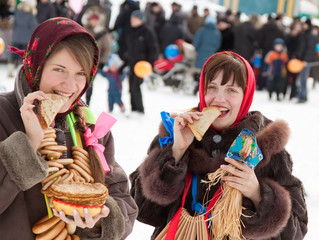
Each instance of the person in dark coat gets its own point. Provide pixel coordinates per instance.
(54, 65)
(307, 54)
(245, 38)
(122, 25)
(155, 18)
(225, 28)
(142, 45)
(170, 33)
(45, 10)
(25, 22)
(292, 41)
(266, 35)
(273, 202)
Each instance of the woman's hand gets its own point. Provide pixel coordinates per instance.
(183, 136)
(244, 180)
(89, 221)
(31, 120)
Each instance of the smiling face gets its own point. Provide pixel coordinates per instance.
(63, 75)
(227, 97)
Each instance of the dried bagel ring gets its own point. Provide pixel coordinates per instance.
(77, 154)
(81, 150)
(44, 224)
(83, 166)
(54, 175)
(87, 164)
(59, 148)
(44, 144)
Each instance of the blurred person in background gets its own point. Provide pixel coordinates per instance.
(142, 45)
(25, 22)
(46, 10)
(96, 26)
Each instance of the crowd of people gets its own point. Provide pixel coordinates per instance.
(209, 32)
(63, 55)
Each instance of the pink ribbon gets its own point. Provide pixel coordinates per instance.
(102, 126)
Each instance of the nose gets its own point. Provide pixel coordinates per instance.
(70, 83)
(219, 96)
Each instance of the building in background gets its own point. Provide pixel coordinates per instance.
(289, 8)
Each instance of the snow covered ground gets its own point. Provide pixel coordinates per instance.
(133, 134)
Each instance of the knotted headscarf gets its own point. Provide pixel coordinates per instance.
(43, 41)
(248, 94)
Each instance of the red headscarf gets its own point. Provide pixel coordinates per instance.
(43, 41)
(248, 94)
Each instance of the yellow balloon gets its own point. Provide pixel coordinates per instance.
(2, 45)
(143, 69)
(295, 66)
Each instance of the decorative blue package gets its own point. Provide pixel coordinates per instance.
(245, 149)
(169, 125)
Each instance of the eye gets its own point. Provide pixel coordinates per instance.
(57, 69)
(81, 74)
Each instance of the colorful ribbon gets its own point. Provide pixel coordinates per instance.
(169, 125)
(102, 126)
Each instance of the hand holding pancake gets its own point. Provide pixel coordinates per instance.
(30, 119)
(183, 135)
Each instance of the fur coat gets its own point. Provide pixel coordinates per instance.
(158, 183)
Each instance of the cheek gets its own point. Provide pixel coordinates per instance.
(208, 99)
(236, 103)
(81, 85)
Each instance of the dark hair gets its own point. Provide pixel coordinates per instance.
(232, 66)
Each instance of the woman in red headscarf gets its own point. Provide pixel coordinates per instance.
(169, 181)
(61, 58)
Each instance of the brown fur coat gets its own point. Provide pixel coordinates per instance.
(158, 183)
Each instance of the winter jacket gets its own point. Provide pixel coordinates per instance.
(45, 11)
(207, 41)
(142, 45)
(307, 48)
(267, 34)
(170, 33)
(245, 40)
(22, 170)
(23, 27)
(277, 62)
(158, 183)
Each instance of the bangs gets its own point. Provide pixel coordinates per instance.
(232, 67)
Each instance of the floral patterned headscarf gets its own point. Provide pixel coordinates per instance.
(43, 41)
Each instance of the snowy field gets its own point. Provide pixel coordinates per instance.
(133, 134)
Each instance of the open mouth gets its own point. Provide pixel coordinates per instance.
(63, 94)
(223, 110)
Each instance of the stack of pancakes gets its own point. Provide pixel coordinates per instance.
(78, 195)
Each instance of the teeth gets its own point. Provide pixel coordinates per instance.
(223, 109)
(62, 94)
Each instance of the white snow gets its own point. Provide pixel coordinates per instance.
(133, 135)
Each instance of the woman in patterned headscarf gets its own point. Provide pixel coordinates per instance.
(61, 58)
